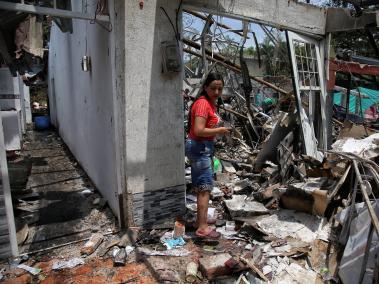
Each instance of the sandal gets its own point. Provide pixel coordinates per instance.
(212, 234)
(193, 225)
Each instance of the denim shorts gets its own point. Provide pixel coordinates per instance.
(200, 154)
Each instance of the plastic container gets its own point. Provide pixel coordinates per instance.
(42, 122)
(217, 167)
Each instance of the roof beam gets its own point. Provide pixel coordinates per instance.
(33, 9)
(289, 15)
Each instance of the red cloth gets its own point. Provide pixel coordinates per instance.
(203, 108)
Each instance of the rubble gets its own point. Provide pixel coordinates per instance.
(67, 264)
(309, 196)
(365, 148)
(288, 223)
(239, 206)
(91, 245)
(214, 265)
(31, 270)
(275, 200)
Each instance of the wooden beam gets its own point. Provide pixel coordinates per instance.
(348, 67)
(227, 64)
(33, 9)
(289, 14)
(353, 67)
(234, 112)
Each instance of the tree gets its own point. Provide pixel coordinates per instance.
(275, 57)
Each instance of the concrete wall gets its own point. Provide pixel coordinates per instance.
(154, 119)
(123, 121)
(82, 102)
(12, 107)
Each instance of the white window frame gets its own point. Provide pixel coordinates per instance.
(310, 142)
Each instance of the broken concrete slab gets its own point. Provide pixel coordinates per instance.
(293, 273)
(288, 223)
(214, 265)
(287, 247)
(228, 167)
(241, 185)
(239, 206)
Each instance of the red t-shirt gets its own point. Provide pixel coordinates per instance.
(203, 108)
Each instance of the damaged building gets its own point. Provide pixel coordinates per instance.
(295, 182)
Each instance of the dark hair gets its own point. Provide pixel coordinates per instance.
(210, 78)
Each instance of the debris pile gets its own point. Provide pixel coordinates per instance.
(288, 215)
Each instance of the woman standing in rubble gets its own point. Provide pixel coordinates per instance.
(203, 128)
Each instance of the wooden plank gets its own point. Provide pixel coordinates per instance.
(339, 184)
(290, 15)
(254, 268)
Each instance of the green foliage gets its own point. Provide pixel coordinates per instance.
(275, 58)
(193, 62)
(357, 41)
(250, 51)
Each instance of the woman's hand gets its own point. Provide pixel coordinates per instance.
(201, 131)
(223, 130)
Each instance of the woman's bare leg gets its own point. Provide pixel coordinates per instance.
(202, 210)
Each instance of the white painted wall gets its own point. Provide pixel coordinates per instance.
(126, 79)
(81, 103)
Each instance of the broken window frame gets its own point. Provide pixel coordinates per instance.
(311, 141)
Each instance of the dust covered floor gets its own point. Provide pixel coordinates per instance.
(58, 204)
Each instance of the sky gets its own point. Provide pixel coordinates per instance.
(198, 24)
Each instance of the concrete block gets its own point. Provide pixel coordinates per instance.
(214, 265)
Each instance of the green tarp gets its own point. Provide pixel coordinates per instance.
(368, 97)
